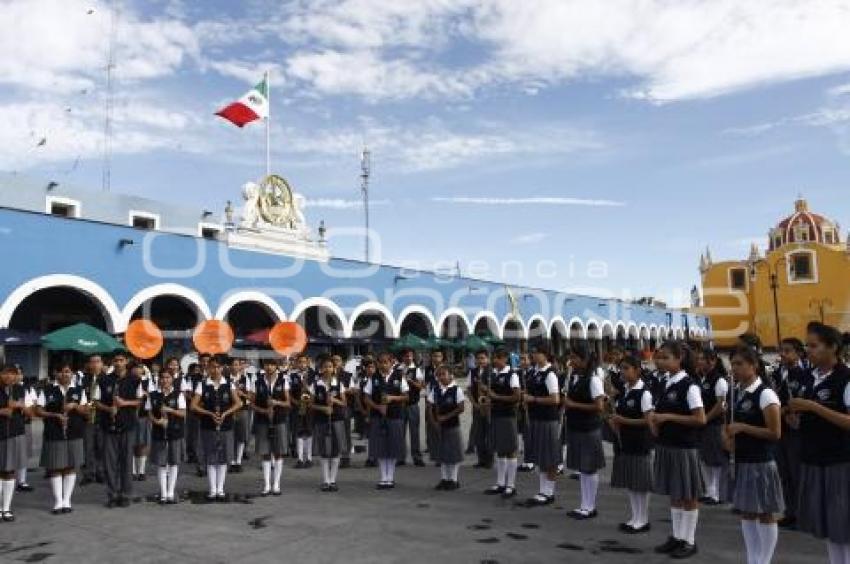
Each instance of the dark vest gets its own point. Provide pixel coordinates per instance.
(709, 398)
(579, 392)
(214, 401)
(633, 440)
(147, 386)
(500, 383)
(675, 400)
(413, 393)
(175, 429)
(15, 425)
(537, 388)
(792, 383)
(748, 411)
(320, 397)
(825, 444)
(127, 418)
(54, 402)
(263, 392)
(655, 382)
(446, 402)
(478, 376)
(390, 387)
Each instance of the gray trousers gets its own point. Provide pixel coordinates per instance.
(432, 440)
(483, 439)
(345, 452)
(788, 463)
(93, 444)
(412, 421)
(118, 463)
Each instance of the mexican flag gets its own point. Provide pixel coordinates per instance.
(252, 106)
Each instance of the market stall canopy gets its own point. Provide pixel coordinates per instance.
(81, 338)
(409, 341)
(475, 343)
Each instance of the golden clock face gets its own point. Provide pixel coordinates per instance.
(276, 204)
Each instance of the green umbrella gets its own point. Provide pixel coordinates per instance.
(476, 343)
(409, 341)
(433, 343)
(493, 340)
(81, 338)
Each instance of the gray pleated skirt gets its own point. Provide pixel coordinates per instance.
(755, 488)
(59, 455)
(677, 473)
(167, 453)
(824, 502)
(545, 443)
(242, 426)
(143, 432)
(632, 472)
(9, 455)
(329, 439)
(27, 438)
(217, 447)
(505, 435)
(584, 451)
(711, 446)
(450, 449)
(274, 443)
(386, 438)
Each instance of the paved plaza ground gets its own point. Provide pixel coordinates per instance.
(413, 523)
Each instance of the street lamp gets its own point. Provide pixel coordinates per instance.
(774, 287)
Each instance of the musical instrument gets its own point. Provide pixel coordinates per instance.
(484, 401)
(730, 413)
(304, 403)
(64, 420)
(92, 407)
(113, 417)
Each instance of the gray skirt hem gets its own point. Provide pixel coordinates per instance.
(824, 502)
(217, 447)
(505, 436)
(60, 455)
(450, 450)
(167, 453)
(584, 451)
(386, 438)
(271, 440)
(329, 439)
(545, 443)
(677, 473)
(756, 488)
(632, 472)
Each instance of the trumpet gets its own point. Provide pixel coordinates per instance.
(92, 406)
(304, 404)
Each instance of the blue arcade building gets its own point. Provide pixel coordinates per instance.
(70, 255)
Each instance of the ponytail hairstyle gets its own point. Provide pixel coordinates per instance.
(748, 355)
(711, 356)
(683, 353)
(828, 335)
(583, 351)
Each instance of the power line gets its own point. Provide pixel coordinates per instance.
(106, 179)
(365, 170)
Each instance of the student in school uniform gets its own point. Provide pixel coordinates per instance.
(166, 408)
(525, 369)
(432, 431)
(584, 402)
(93, 436)
(386, 395)
(301, 427)
(117, 398)
(215, 402)
(755, 427)
(542, 399)
(26, 445)
(504, 394)
(711, 378)
(480, 377)
(446, 403)
(242, 384)
(345, 378)
(679, 415)
(64, 408)
(632, 468)
(824, 409)
(367, 370)
(196, 374)
(143, 427)
(791, 380)
(329, 417)
(13, 404)
(412, 416)
(271, 414)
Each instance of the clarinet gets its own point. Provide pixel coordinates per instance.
(731, 419)
(272, 410)
(328, 428)
(385, 425)
(92, 409)
(64, 419)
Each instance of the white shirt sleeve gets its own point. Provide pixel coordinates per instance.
(552, 383)
(430, 397)
(96, 395)
(694, 398)
(285, 384)
(721, 388)
(140, 392)
(420, 376)
(514, 381)
(768, 397)
(460, 397)
(29, 399)
(40, 401)
(84, 400)
(199, 389)
(367, 389)
(597, 388)
(646, 402)
(148, 405)
(847, 397)
(181, 402)
(404, 387)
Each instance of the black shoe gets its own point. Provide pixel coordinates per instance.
(24, 488)
(8, 516)
(334, 487)
(123, 502)
(325, 488)
(172, 501)
(221, 497)
(669, 546)
(236, 468)
(371, 464)
(442, 485)
(575, 476)
(162, 501)
(582, 515)
(685, 550)
(382, 486)
(509, 493)
(200, 472)
(540, 500)
(57, 511)
(787, 523)
(86, 481)
(709, 501)
(418, 462)
(494, 490)
(142, 477)
(67, 510)
(308, 464)
(479, 465)
(390, 485)
(211, 497)
(401, 463)
(625, 528)
(452, 485)
(110, 503)
(638, 530)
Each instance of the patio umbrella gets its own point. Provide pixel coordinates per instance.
(476, 343)
(493, 340)
(409, 341)
(433, 343)
(83, 338)
(260, 337)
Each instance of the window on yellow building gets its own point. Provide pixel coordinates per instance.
(827, 238)
(801, 267)
(738, 279)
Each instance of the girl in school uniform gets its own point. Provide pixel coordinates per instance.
(386, 395)
(824, 409)
(584, 402)
(27, 447)
(215, 402)
(446, 403)
(300, 384)
(143, 428)
(329, 416)
(271, 413)
(166, 407)
(632, 468)
(714, 387)
(676, 421)
(13, 404)
(368, 369)
(64, 409)
(242, 384)
(541, 398)
(504, 393)
(755, 486)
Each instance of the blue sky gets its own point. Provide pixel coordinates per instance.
(560, 134)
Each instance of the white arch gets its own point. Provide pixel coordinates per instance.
(610, 327)
(422, 310)
(595, 324)
(521, 323)
(542, 320)
(108, 307)
(459, 313)
(167, 289)
(582, 324)
(632, 330)
(483, 314)
(317, 301)
(564, 329)
(643, 331)
(231, 300)
(620, 325)
(371, 307)
(653, 331)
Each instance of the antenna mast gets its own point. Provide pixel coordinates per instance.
(107, 121)
(365, 170)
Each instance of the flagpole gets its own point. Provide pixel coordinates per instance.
(268, 123)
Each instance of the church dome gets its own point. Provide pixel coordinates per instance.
(803, 226)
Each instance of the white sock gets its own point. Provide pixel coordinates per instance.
(391, 462)
(769, 535)
(501, 471)
(222, 474)
(212, 477)
(592, 485)
(326, 470)
(22, 475)
(689, 525)
(135, 465)
(334, 469)
(751, 540)
(240, 452)
(846, 553)
(142, 460)
(510, 472)
(301, 450)
(836, 552)
(162, 474)
(541, 478)
(308, 448)
(713, 486)
(172, 480)
(267, 475)
(676, 522)
(454, 469)
(68, 483)
(643, 505)
(633, 504)
(277, 468)
(550, 487)
(444, 471)
(8, 491)
(56, 486)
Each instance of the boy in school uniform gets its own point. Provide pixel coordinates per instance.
(446, 402)
(93, 437)
(412, 418)
(504, 394)
(479, 379)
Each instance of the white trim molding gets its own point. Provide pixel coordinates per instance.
(456, 311)
(230, 300)
(191, 296)
(415, 308)
(543, 322)
(521, 323)
(493, 321)
(371, 307)
(814, 266)
(75, 205)
(219, 228)
(320, 302)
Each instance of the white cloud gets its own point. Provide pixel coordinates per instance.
(341, 204)
(534, 200)
(250, 73)
(529, 238)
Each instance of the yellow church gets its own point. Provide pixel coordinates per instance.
(802, 277)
